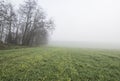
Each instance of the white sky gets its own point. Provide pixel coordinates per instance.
(83, 20)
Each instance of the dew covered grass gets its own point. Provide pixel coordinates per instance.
(59, 64)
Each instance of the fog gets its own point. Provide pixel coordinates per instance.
(95, 21)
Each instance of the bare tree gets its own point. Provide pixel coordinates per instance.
(2, 18)
(36, 25)
(11, 20)
(27, 11)
(29, 27)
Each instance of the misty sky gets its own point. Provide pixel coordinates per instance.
(83, 20)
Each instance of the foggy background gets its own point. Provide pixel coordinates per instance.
(95, 21)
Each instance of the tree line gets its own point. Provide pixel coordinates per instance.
(28, 25)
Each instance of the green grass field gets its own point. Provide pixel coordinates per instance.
(59, 64)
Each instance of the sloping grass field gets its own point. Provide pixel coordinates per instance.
(59, 64)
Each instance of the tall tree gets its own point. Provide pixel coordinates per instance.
(11, 20)
(27, 11)
(28, 26)
(2, 19)
(36, 25)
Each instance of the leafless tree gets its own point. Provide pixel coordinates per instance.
(28, 26)
(36, 25)
(11, 21)
(2, 19)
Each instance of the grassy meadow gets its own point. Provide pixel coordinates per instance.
(59, 64)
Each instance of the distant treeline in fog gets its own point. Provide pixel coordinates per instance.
(27, 25)
(85, 44)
